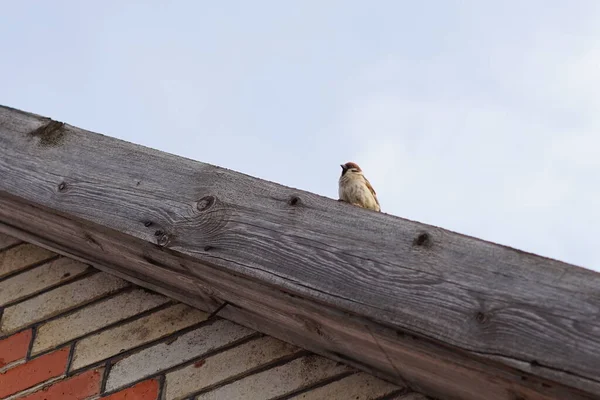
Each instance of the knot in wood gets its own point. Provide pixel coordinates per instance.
(91, 241)
(163, 240)
(50, 134)
(311, 325)
(147, 223)
(422, 240)
(205, 203)
(481, 317)
(62, 187)
(294, 200)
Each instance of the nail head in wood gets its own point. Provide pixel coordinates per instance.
(62, 187)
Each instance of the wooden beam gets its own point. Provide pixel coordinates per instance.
(449, 315)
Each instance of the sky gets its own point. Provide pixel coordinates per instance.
(477, 116)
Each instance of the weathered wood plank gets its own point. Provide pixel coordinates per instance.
(7, 241)
(451, 315)
(403, 359)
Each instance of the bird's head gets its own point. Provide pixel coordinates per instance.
(351, 168)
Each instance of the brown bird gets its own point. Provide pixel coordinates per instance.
(355, 189)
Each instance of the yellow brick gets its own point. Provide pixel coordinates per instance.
(22, 256)
(169, 354)
(94, 317)
(124, 337)
(59, 300)
(278, 381)
(225, 365)
(32, 281)
(360, 386)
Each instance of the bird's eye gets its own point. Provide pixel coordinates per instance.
(354, 170)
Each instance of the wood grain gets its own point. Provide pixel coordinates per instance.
(451, 315)
(7, 241)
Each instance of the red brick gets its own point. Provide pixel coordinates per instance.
(147, 390)
(33, 372)
(78, 387)
(14, 347)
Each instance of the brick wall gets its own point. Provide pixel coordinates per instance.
(71, 332)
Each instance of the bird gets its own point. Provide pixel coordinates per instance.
(355, 189)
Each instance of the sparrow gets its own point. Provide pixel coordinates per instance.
(355, 189)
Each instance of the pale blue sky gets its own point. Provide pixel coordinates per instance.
(478, 116)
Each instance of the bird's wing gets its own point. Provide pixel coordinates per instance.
(371, 189)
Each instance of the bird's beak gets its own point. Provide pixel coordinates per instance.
(343, 166)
